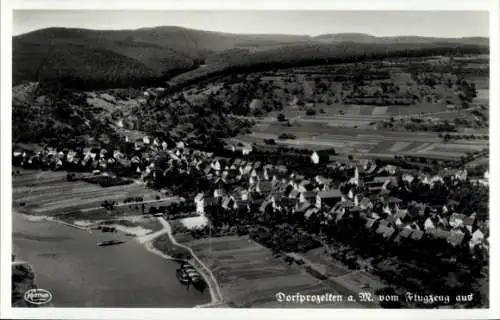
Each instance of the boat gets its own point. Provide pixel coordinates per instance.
(188, 274)
(183, 276)
(109, 243)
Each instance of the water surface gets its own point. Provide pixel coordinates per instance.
(78, 273)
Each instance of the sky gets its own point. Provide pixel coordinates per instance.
(378, 23)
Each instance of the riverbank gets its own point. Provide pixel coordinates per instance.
(78, 273)
(165, 245)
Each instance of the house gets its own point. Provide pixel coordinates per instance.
(369, 223)
(218, 193)
(470, 221)
(401, 214)
(477, 238)
(245, 195)
(455, 238)
(199, 203)
(265, 187)
(442, 223)
(302, 207)
(323, 183)
(310, 211)
(330, 197)
(294, 194)
(139, 144)
(457, 219)
(265, 174)
(461, 175)
(390, 169)
(350, 194)
(429, 224)
(264, 204)
(438, 233)
(308, 196)
(408, 177)
(215, 165)
(385, 230)
(339, 214)
(229, 202)
(417, 234)
(365, 203)
(304, 185)
(403, 234)
(315, 157)
(370, 170)
(355, 179)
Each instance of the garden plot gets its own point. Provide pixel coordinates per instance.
(354, 110)
(416, 109)
(333, 268)
(447, 147)
(399, 146)
(378, 111)
(359, 281)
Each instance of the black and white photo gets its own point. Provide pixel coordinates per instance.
(277, 159)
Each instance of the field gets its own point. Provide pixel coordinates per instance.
(351, 129)
(319, 135)
(367, 111)
(48, 193)
(340, 277)
(249, 274)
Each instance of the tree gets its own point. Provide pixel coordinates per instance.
(310, 112)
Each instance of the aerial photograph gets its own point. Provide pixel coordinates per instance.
(250, 159)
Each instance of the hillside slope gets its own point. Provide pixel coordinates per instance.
(100, 58)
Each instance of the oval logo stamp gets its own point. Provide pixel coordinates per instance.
(38, 296)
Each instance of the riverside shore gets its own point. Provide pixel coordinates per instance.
(205, 272)
(68, 264)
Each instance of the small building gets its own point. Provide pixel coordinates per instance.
(477, 238)
(199, 203)
(417, 234)
(330, 197)
(455, 238)
(403, 234)
(457, 219)
(315, 157)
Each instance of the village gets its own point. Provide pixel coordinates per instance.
(388, 204)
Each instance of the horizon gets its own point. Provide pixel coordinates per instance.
(249, 33)
(438, 24)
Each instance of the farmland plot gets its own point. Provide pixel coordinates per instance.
(49, 193)
(249, 274)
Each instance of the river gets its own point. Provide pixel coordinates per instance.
(67, 262)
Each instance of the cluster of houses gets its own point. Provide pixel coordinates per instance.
(96, 160)
(238, 183)
(267, 186)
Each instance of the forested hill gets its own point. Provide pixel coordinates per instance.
(90, 59)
